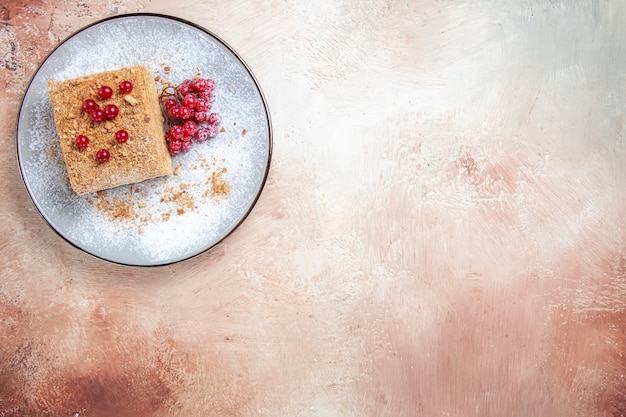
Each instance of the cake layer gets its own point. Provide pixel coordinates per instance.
(143, 156)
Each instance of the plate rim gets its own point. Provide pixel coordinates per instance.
(270, 136)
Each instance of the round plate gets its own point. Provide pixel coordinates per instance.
(167, 219)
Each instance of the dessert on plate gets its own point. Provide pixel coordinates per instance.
(110, 127)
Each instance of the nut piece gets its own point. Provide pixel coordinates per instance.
(130, 100)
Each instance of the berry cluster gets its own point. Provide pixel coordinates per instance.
(186, 108)
(99, 115)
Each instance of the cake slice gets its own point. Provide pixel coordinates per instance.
(140, 155)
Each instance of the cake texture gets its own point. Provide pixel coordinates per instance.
(140, 155)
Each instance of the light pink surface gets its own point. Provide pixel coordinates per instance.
(442, 232)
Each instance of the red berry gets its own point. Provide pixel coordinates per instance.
(170, 103)
(103, 155)
(189, 128)
(212, 129)
(185, 113)
(121, 136)
(174, 146)
(215, 119)
(184, 87)
(111, 111)
(175, 112)
(202, 105)
(89, 105)
(82, 141)
(186, 144)
(200, 117)
(207, 95)
(105, 92)
(126, 87)
(176, 131)
(98, 115)
(208, 132)
(202, 135)
(203, 84)
(189, 101)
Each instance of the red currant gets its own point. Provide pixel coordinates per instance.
(170, 103)
(202, 105)
(126, 87)
(98, 115)
(82, 141)
(89, 105)
(175, 112)
(203, 84)
(185, 87)
(174, 146)
(206, 95)
(176, 131)
(215, 119)
(186, 144)
(185, 113)
(103, 155)
(200, 117)
(202, 135)
(189, 101)
(105, 92)
(189, 128)
(121, 136)
(212, 130)
(111, 111)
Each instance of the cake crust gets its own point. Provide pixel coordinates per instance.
(143, 156)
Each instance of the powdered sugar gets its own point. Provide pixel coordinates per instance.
(165, 219)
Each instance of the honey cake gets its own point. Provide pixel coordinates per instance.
(140, 155)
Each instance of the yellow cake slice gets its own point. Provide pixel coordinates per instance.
(142, 156)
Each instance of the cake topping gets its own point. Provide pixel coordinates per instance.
(105, 92)
(98, 115)
(103, 155)
(82, 141)
(121, 136)
(126, 87)
(89, 105)
(111, 111)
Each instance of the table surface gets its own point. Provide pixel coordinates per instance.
(442, 231)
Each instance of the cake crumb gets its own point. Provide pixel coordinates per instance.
(177, 170)
(119, 209)
(219, 186)
(244, 131)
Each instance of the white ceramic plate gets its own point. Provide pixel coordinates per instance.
(171, 218)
